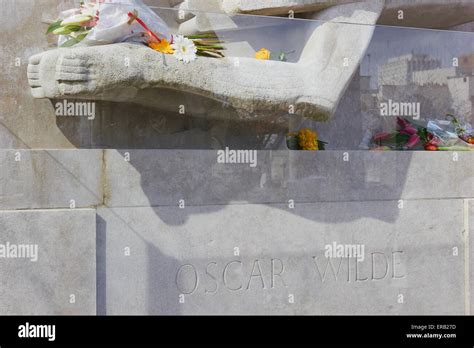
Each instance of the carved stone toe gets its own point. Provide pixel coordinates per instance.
(73, 75)
(34, 79)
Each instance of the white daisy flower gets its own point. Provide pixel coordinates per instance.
(184, 49)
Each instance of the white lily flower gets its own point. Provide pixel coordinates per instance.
(90, 9)
(76, 20)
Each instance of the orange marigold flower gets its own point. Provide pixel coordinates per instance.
(163, 46)
(308, 139)
(263, 54)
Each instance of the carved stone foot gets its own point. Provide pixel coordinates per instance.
(253, 88)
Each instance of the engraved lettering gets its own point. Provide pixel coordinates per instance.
(224, 275)
(329, 264)
(256, 264)
(373, 266)
(213, 278)
(394, 276)
(274, 273)
(196, 279)
(357, 273)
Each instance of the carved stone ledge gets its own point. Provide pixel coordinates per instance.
(252, 89)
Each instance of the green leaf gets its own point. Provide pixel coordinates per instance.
(67, 30)
(207, 42)
(208, 47)
(455, 148)
(322, 145)
(402, 138)
(394, 140)
(292, 142)
(80, 35)
(423, 134)
(71, 42)
(210, 54)
(202, 36)
(54, 26)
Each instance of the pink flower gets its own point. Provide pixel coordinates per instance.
(409, 130)
(412, 141)
(381, 136)
(402, 122)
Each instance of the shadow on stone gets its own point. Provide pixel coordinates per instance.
(101, 265)
(163, 294)
(132, 126)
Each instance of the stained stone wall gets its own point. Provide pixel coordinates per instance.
(134, 244)
(191, 268)
(125, 228)
(26, 122)
(61, 278)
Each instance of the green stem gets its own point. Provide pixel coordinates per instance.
(210, 47)
(202, 36)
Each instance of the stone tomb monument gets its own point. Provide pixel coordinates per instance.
(237, 245)
(265, 95)
(253, 89)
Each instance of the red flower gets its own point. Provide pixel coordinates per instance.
(433, 140)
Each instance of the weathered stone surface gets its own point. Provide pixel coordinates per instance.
(24, 36)
(24, 27)
(419, 14)
(265, 7)
(152, 256)
(192, 176)
(50, 178)
(277, 7)
(197, 178)
(381, 175)
(427, 14)
(65, 262)
(469, 234)
(74, 73)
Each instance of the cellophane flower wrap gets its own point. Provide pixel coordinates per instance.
(110, 22)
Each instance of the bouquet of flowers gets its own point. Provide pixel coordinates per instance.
(265, 54)
(111, 21)
(304, 139)
(433, 135)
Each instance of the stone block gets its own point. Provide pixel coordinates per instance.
(168, 260)
(469, 233)
(163, 178)
(47, 262)
(32, 179)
